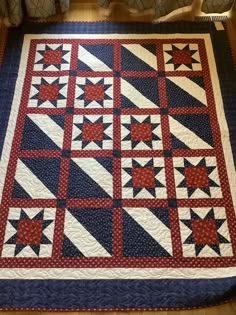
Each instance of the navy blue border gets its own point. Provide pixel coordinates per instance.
(8, 76)
(116, 294)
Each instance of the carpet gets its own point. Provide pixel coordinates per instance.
(118, 150)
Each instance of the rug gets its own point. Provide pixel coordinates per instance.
(118, 150)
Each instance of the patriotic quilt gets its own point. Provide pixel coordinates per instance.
(118, 186)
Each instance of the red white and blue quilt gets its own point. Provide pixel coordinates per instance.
(117, 186)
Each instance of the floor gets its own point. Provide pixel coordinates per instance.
(84, 11)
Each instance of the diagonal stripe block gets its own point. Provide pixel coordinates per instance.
(135, 93)
(95, 57)
(81, 238)
(90, 178)
(143, 231)
(191, 92)
(135, 57)
(36, 178)
(43, 132)
(191, 131)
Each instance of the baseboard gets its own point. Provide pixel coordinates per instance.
(211, 18)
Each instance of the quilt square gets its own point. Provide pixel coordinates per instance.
(191, 131)
(94, 92)
(90, 178)
(92, 132)
(142, 230)
(190, 90)
(136, 57)
(36, 178)
(48, 92)
(204, 232)
(29, 232)
(182, 57)
(135, 92)
(87, 232)
(43, 132)
(143, 178)
(141, 132)
(197, 177)
(52, 57)
(96, 57)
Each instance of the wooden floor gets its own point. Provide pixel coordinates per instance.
(228, 309)
(88, 12)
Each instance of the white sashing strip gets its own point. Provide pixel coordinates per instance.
(49, 127)
(143, 54)
(135, 96)
(153, 226)
(30, 183)
(187, 136)
(94, 63)
(82, 239)
(116, 273)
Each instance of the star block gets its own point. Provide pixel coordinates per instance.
(197, 177)
(52, 57)
(182, 57)
(204, 232)
(48, 92)
(141, 132)
(94, 92)
(92, 132)
(143, 178)
(29, 232)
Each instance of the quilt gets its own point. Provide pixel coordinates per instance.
(117, 171)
